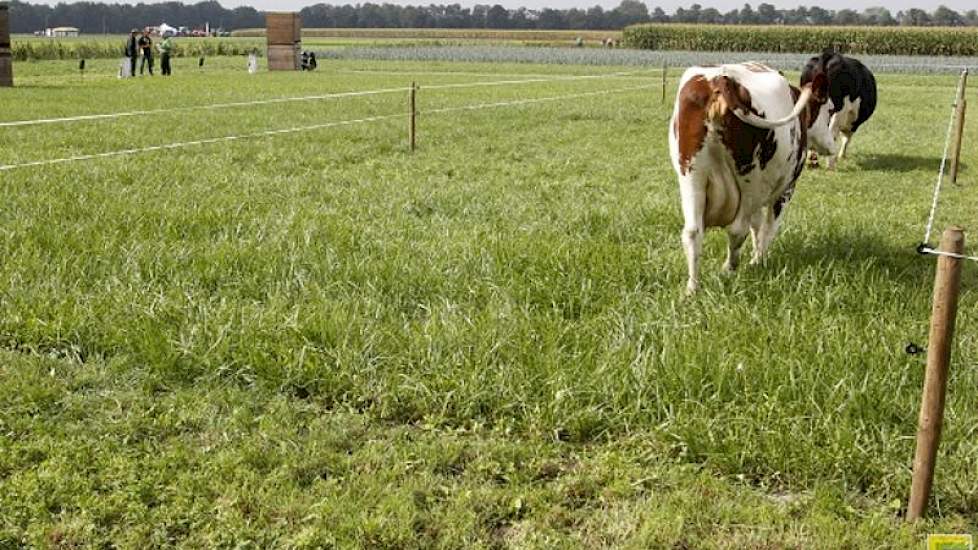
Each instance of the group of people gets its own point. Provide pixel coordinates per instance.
(307, 61)
(138, 45)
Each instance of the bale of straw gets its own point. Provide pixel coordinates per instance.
(283, 58)
(283, 28)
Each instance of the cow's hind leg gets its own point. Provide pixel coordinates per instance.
(846, 137)
(761, 222)
(692, 191)
(766, 222)
(736, 235)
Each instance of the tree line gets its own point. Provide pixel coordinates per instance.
(93, 17)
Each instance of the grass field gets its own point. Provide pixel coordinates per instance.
(319, 339)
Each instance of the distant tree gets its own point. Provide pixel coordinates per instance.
(711, 15)
(747, 15)
(521, 19)
(915, 17)
(878, 16)
(732, 17)
(576, 18)
(479, 15)
(497, 17)
(846, 17)
(659, 16)
(768, 15)
(596, 18)
(797, 16)
(946, 17)
(630, 12)
(819, 16)
(551, 19)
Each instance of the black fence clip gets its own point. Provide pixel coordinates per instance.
(923, 248)
(914, 349)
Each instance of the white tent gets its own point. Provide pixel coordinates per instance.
(167, 30)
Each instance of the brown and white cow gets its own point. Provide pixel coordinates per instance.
(738, 138)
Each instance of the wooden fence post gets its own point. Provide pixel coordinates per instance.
(960, 107)
(665, 68)
(947, 285)
(412, 129)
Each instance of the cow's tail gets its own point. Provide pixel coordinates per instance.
(754, 120)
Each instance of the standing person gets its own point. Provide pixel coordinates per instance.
(166, 48)
(146, 45)
(132, 51)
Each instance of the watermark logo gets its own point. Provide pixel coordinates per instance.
(950, 542)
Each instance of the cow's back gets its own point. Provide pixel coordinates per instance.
(744, 167)
(849, 79)
(767, 87)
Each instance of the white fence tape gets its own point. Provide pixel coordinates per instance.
(18, 123)
(205, 141)
(254, 135)
(337, 95)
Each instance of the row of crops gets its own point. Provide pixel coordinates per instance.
(858, 40)
(660, 39)
(35, 49)
(635, 58)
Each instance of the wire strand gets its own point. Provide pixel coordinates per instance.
(181, 144)
(20, 123)
(337, 95)
(933, 252)
(940, 175)
(254, 135)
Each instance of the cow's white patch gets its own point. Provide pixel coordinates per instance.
(842, 122)
(845, 117)
(821, 138)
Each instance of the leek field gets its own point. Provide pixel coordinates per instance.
(318, 339)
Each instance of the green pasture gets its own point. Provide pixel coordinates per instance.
(319, 339)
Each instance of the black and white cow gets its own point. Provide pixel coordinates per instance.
(738, 141)
(852, 89)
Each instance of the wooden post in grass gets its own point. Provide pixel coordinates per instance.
(6, 57)
(412, 126)
(947, 285)
(960, 107)
(665, 68)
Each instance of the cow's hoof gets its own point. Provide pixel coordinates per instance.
(691, 288)
(729, 267)
(813, 159)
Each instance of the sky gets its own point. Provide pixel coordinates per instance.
(669, 6)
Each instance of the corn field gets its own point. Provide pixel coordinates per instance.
(857, 40)
(37, 49)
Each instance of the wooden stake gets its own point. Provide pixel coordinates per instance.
(960, 107)
(414, 115)
(947, 285)
(665, 69)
